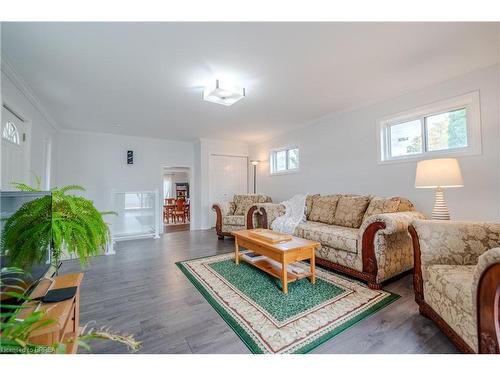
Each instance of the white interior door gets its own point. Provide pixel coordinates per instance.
(14, 150)
(228, 175)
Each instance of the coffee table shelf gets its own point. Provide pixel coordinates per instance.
(275, 269)
(282, 254)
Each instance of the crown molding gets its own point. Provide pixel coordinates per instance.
(26, 90)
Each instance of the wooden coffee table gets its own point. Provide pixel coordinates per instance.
(286, 252)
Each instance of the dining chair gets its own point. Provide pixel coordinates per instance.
(179, 211)
(187, 209)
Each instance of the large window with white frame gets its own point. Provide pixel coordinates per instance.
(284, 160)
(447, 128)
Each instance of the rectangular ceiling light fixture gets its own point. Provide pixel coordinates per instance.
(223, 93)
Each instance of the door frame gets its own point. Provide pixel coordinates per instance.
(27, 123)
(192, 199)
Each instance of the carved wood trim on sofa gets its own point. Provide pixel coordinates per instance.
(429, 312)
(418, 282)
(250, 214)
(348, 271)
(218, 221)
(488, 310)
(488, 306)
(263, 218)
(370, 266)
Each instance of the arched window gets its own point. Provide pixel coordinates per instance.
(10, 133)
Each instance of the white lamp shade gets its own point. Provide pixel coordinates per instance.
(444, 173)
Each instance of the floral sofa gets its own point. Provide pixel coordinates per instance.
(238, 214)
(457, 280)
(363, 236)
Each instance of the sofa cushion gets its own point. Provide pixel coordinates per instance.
(405, 205)
(351, 210)
(454, 282)
(234, 220)
(340, 238)
(382, 206)
(323, 209)
(243, 202)
(309, 204)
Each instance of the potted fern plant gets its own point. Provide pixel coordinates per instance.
(64, 222)
(75, 226)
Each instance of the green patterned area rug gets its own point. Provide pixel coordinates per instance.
(267, 320)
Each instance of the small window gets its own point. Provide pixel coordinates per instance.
(10, 133)
(450, 127)
(284, 160)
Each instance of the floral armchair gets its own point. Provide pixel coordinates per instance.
(238, 214)
(457, 280)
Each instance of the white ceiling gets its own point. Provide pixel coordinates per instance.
(148, 77)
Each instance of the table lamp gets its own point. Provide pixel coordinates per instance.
(439, 174)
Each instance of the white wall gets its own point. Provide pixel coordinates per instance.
(17, 95)
(207, 147)
(99, 163)
(339, 154)
(180, 177)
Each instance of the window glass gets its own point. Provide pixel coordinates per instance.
(280, 161)
(10, 133)
(293, 158)
(406, 138)
(447, 130)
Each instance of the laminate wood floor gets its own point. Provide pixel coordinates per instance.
(175, 228)
(141, 291)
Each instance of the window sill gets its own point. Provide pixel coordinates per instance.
(432, 155)
(290, 171)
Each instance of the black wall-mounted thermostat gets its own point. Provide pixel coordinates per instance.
(130, 157)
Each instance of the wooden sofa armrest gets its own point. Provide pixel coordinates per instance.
(225, 208)
(269, 212)
(252, 211)
(394, 222)
(387, 224)
(486, 287)
(221, 210)
(418, 282)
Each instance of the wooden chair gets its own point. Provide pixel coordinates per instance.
(165, 213)
(179, 211)
(168, 209)
(187, 208)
